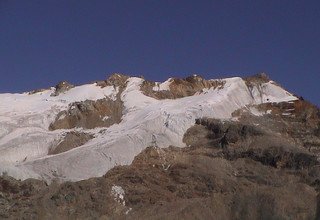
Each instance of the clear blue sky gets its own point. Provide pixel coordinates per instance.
(45, 41)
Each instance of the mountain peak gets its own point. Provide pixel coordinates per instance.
(106, 116)
(179, 139)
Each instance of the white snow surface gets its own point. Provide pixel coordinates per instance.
(255, 111)
(25, 138)
(162, 86)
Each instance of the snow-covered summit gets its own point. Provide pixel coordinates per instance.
(151, 113)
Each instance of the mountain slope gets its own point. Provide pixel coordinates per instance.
(185, 148)
(122, 116)
(261, 174)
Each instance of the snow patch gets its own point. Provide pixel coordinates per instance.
(269, 111)
(105, 118)
(118, 193)
(165, 86)
(270, 92)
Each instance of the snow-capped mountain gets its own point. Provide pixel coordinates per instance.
(77, 132)
(235, 148)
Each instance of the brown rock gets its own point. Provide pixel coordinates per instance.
(181, 87)
(89, 114)
(62, 87)
(71, 140)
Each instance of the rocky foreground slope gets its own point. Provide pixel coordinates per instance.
(219, 149)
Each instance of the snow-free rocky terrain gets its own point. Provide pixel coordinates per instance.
(125, 147)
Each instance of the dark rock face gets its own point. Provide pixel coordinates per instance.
(298, 121)
(247, 141)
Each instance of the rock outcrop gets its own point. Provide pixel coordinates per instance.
(89, 114)
(71, 140)
(178, 88)
(62, 87)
